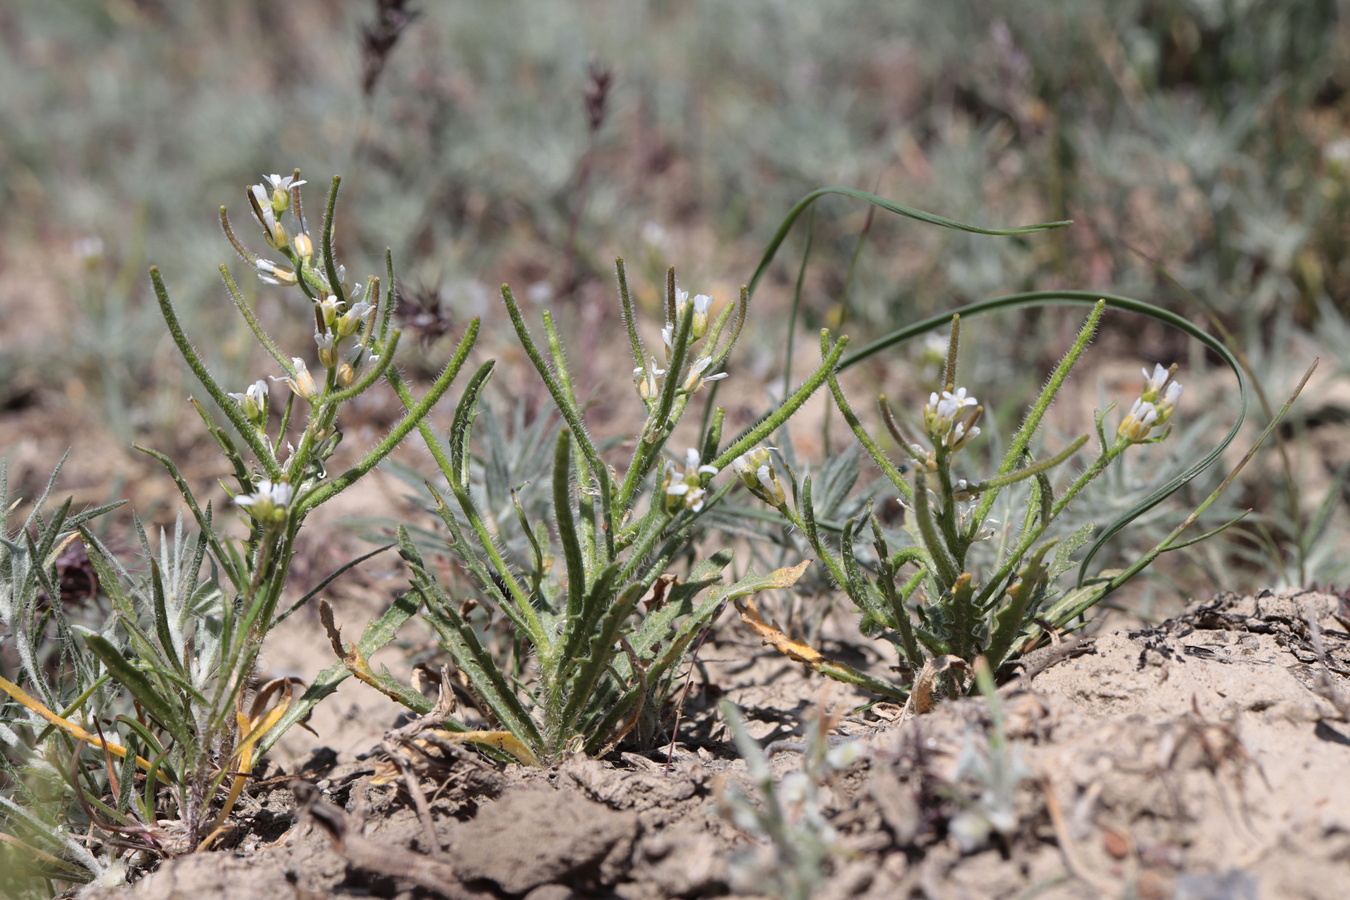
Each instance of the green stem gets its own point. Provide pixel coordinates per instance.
(923, 515)
(889, 469)
(326, 243)
(770, 423)
(254, 325)
(629, 316)
(566, 524)
(571, 415)
(222, 400)
(776, 241)
(1022, 439)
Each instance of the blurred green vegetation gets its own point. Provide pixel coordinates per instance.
(1197, 144)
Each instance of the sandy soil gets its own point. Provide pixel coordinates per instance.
(1204, 758)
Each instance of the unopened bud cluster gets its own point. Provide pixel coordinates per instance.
(756, 471)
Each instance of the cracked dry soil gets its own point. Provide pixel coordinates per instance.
(1202, 759)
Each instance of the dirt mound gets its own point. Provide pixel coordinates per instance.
(1205, 758)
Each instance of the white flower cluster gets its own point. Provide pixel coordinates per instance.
(650, 378)
(1155, 405)
(685, 490)
(341, 314)
(756, 471)
(947, 421)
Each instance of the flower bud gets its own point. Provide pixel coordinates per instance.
(327, 344)
(302, 383)
(699, 326)
(329, 310)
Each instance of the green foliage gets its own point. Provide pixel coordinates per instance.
(183, 636)
(958, 588)
(38, 809)
(598, 669)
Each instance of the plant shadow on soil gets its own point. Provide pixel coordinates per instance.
(1202, 758)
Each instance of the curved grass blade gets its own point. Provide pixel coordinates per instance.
(897, 208)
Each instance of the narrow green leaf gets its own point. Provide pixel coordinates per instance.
(168, 714)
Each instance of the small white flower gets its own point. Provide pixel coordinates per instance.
(253, 403)
(961, 433)
(1141, 419)
(951, 403)
(686, 490)
(261, 199)
(266, 209)
(268, 503)
(648, 380)
(353, 318)
(355, 361)
(327, 349)
(281, 190)
(696, 379)
(699, 326)
(1153, 383)
(691, 461)
(283, 184)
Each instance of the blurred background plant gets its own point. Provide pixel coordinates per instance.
(47, 590)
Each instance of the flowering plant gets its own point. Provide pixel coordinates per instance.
(592, 668)
(954, 585)
(958, 585)
(605, 583)
(186, 636)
